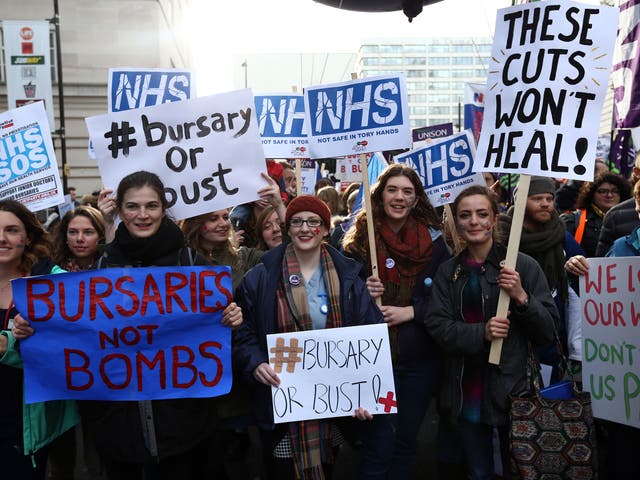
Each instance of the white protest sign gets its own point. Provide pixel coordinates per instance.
(359, 116)
(547, 81)
(308, 175)
(444, 166)
(348, 168)
(282, 125)
(207, 151)
(331, 372)
(611, 338)
(28, 166)
(130, 88)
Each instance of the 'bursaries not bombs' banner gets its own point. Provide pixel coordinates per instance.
(28, 166)
(207, 151)
(126, 334)
(359, 116)
(331, 372)
(282, 125)
(546, 86)
(444, 166)
(611, 338)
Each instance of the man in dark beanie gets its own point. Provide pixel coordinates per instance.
(545, 238)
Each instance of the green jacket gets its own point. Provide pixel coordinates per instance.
(42, 422)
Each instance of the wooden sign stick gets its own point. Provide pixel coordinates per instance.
(512, 254)
(452, 228)
(373, 254)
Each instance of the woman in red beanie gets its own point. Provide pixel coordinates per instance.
(410, 247)
(323, 288)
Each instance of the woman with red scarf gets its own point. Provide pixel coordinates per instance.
(409, 247)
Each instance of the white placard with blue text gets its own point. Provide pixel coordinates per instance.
(282, 125)
(547, 81)
(207, 151)
(28, 166)
(144, 87)
(331, 372)
(359, 116)
(445, 166)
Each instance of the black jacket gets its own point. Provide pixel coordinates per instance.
(121, 429)
(592, 229)
(256, 295)
(457, 338)
(618, 222)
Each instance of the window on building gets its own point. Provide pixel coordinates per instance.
(437, 98)
(370, 48)
(417, 98)
(439, 110)
(418, 110)
(439, 60)
(416, 86)
(462, 60)
(440, 73)
(416, 73)
(415, 60)
(370, 61)
(390, 48)
(439, 85)
(415, 48)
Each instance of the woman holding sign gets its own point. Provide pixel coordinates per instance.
(410, 247)
(25, 430)
(474, 394)
(324, 290)
(176, 438)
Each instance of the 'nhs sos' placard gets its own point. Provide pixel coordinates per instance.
(126, 334)
(359, 116)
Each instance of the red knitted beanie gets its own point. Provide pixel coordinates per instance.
(309, 203)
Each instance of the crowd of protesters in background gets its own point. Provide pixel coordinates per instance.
(439, 305)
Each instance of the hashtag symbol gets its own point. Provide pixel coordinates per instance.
(120, 139)
(291, 357)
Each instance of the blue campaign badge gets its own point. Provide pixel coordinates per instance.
(389, 263)
(294, 280)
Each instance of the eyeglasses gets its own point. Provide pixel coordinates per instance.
(311, 222)
(607, 191)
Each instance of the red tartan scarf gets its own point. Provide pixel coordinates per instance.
(401, 257)
(311, 441)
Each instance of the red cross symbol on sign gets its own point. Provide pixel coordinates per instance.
(388, 402)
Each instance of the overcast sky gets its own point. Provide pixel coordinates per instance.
(221, 28)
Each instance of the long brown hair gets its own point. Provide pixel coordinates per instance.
(37, 244)
(356, 239)
(192, 228)
(62, 253)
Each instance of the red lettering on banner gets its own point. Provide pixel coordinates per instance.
(134, 298)
(70, 370)
(113, 340)
(204, 293)
(193, 294)
(150, 285)
(203, 351)
(177, 364)
(103, 373)
(157, 359)
(590, 284)
(134, 340)
(611, 278)
(63, 311)
(222, 289)
(95, 298)
(32, 297)
(149, 329)
(630, 280)
(635, 316)
(172, 290)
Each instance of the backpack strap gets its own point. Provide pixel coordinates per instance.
(187, 257)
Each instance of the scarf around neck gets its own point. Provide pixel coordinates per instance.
(169, 238)
(401, 257)
(311, 441)
(546, 246)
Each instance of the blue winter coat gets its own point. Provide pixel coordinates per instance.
(256, 295)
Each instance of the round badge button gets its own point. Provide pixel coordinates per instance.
(389, 263)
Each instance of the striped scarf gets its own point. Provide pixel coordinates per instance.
(311, 441)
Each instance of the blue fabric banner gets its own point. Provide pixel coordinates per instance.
(126, 334)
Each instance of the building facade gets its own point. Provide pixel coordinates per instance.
(96, 36)
(436, 70)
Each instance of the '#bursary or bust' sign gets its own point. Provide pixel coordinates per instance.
(360, 116)
(126, 334)
(547, 81)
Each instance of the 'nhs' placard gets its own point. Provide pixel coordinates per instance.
(282, 125)
(135, 88)
(359, 116)
(444, 166)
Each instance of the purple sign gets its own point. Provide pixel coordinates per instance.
(433, 131)
(624, 72)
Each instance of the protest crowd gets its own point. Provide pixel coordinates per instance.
(249, 314)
